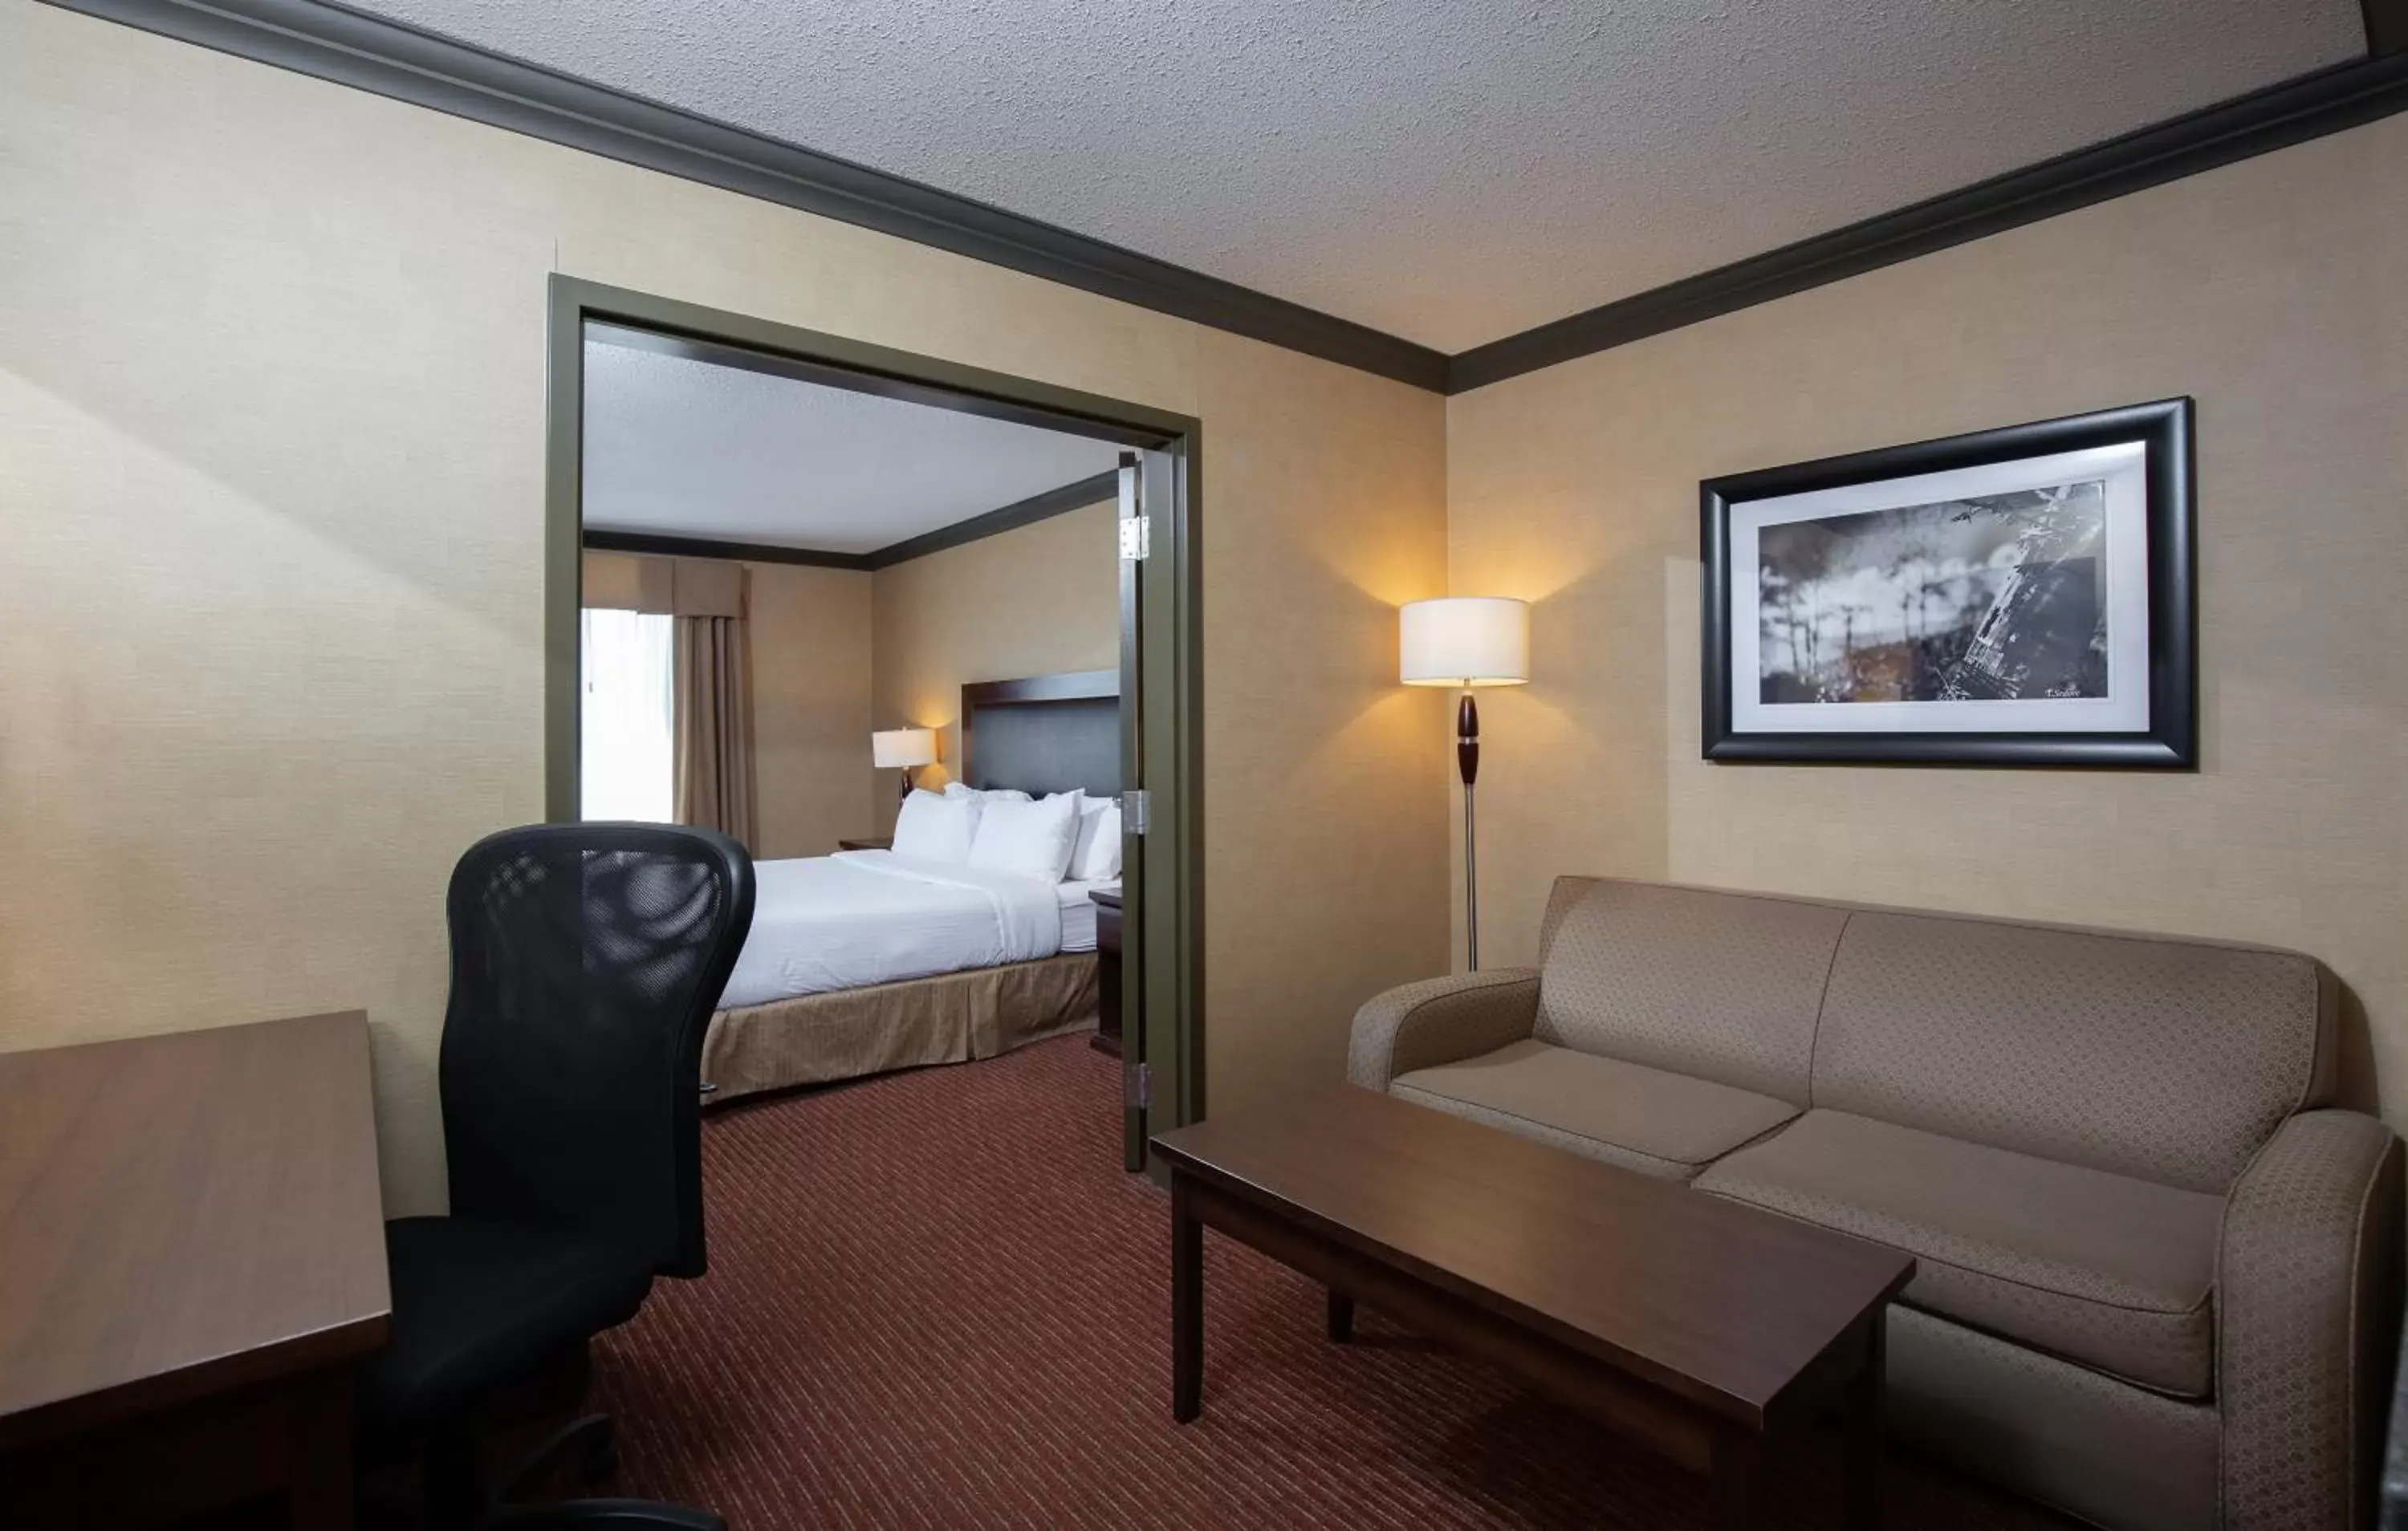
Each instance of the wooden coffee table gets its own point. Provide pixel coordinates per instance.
(1698, 1326)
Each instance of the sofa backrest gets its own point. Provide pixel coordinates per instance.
(2170, 1060)
(1719, 985)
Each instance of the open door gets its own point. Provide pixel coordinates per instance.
(1159, 922)
(1136, 1078)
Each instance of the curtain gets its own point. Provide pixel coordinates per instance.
(714, 727)
(616, 581)
(710, 712)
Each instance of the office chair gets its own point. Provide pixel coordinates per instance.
(586, 960)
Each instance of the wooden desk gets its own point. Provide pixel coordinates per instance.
(192, 1257)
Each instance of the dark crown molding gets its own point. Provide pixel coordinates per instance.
(390, 59)
(1042, 505)
(662, 545)
(2310, 107)
(330, 42)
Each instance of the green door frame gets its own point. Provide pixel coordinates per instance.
(1165, 907)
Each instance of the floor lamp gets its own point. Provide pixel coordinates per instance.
(1466, 641)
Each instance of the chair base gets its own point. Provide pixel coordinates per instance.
(583, 1513)
(460, 1495)
(592, 1440)
(590, 1437)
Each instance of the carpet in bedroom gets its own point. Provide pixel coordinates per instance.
(935, 1301)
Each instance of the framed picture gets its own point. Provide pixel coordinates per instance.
(2015, 597)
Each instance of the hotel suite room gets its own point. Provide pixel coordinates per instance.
(795, 599)
(279, 644)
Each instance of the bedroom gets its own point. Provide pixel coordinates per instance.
(878, 642)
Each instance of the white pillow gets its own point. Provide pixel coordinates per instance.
(935, 828)
(1097, 858)
(1034, 840)
(954, 789)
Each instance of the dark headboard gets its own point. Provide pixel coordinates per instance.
(1044, 733)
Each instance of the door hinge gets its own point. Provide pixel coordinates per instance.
(1136, 539)
(1133, 811)
(1137, 1080)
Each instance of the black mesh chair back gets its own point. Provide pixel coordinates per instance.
(586, 960)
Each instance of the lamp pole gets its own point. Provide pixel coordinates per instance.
(1467, 764)
(1466, 641)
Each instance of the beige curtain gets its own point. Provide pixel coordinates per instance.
(627, 582)
(713, 722)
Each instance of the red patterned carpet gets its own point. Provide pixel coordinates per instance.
(935, 1301)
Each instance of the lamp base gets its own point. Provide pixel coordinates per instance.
(1467, 764)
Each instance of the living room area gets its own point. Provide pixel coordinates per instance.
(1775, 897)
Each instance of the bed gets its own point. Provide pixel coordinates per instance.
(865, 961)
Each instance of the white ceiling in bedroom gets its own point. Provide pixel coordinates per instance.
(693, 449)
(1450, 171)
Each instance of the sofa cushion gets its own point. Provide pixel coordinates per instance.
(2103, 1269)
(1625, 1113)
(1723, 986)
(2165, 1059)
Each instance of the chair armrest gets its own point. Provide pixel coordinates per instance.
(2307, 1303)
(1420, 1025)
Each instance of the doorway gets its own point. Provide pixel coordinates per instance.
(1156, 489)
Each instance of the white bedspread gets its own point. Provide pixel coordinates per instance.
(857, 918)
(1078, 913)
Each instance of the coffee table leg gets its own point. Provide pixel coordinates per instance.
(1186, 1305)
(1864, 1428)
(1737, 1457)
(1342, 1316)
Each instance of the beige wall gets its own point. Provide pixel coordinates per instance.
(271, 425)
(271, 513)
(1035, 600)
(810, 631)
(2272, 290)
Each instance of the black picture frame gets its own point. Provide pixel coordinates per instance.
(2171, 741)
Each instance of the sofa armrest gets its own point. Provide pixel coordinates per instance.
(1420, 1025)
(2308, 1300)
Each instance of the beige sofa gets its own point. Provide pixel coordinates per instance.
(2158, 1278)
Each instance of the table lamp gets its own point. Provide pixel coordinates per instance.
(909, 747)
(1466, 641)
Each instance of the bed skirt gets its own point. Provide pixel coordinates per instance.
(950, 1017)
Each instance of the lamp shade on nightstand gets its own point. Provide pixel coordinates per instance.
(1463, 640)
(906, 747)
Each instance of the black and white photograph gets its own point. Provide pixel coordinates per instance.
(2000, 596)
(2019, 596)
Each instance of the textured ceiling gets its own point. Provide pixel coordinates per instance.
(1450, 171)
(691, 448)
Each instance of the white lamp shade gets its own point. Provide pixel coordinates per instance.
(891, 747)
(1463, 640)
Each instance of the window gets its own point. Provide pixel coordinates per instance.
(627, 726)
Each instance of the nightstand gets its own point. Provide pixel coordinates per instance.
(867, 842)
(1108, 972)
